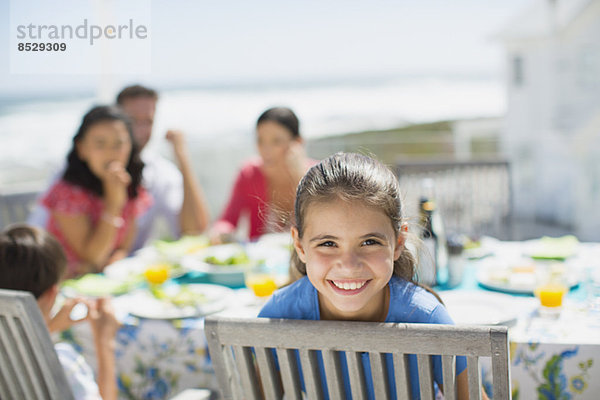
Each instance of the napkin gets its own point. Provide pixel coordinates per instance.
(549, 248)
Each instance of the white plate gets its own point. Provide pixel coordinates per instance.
(124, 268)
(478, 307)
(501, 277)
(141, 303)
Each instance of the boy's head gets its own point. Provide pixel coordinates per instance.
(30, 259)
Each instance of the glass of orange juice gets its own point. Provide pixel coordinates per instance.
(260, 280)
(550, 290)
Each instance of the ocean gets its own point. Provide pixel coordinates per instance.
(36, 133)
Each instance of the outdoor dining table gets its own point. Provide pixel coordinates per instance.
(551, 357)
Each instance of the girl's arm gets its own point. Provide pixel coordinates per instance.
(123, 250)
(94, 244)
(91, 244)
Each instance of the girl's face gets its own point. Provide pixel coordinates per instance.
(274, 141)
(349, 251)
(104, 143)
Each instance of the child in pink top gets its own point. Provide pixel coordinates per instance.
(94, 206)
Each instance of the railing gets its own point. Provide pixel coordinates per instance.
(473, 197)
(16, 204)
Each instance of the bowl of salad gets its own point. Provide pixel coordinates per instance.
(223, 264)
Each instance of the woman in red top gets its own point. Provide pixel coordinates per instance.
(93, 207)
(265, 188)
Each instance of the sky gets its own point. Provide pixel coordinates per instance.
(267, 41)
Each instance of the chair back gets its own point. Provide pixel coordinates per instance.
(15, 205)
(29, 366)
(473, 197)
(235, 343)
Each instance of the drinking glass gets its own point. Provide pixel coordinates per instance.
(261, 279)
(550, 290)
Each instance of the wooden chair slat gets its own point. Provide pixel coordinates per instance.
(289, 374)
(449, 373)
(333, 371)
(379, 375)
(357, 375)
(425, 377)
(312, 377)
(245, 365)
(268, 373)
(402, 376)
(474, 377)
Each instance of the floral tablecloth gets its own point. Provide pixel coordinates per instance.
(557, 358)
(155, 359)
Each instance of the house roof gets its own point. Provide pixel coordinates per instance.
(535, 21)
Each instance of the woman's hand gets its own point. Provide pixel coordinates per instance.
(115, 183)
(296, 160)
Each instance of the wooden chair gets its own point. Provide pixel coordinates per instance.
(29, 366)
(235, 344)
(473, 197)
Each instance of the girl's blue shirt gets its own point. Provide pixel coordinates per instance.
(409, 303)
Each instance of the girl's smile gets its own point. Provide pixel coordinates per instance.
(347, 286)
(349, 249)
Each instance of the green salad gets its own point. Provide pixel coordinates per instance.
(235, 259)
(184, 296)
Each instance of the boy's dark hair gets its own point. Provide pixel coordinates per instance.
(30, 259)
(135, 91)
(283, 116)
(79, 173)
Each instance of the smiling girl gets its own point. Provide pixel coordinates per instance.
(93, 207)
(349, 241)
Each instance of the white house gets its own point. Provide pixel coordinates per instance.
(552, 127)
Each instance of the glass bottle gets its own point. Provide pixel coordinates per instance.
(433, 262)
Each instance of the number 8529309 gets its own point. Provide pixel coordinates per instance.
(41, 46)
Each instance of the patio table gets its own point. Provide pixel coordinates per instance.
(550, 358)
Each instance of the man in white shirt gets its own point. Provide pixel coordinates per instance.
(176, 192)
